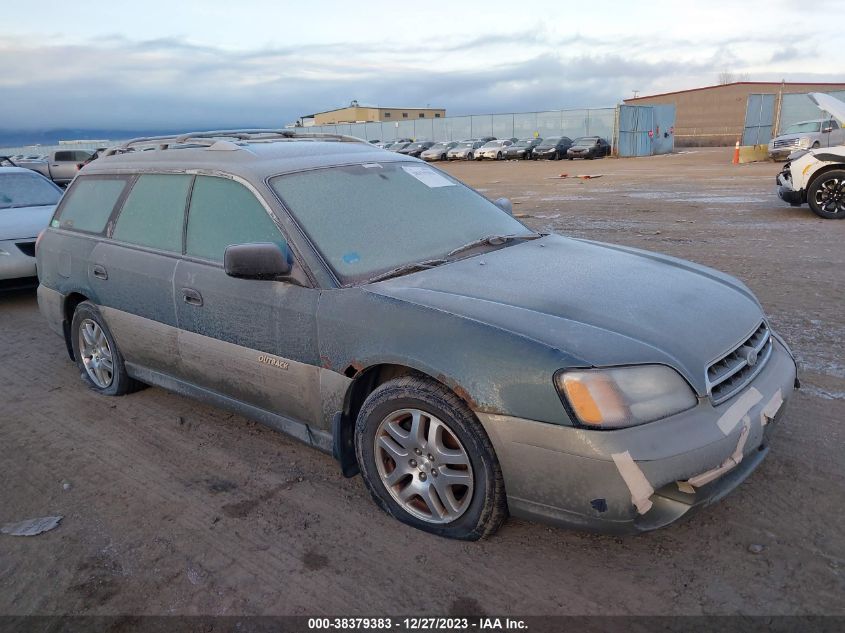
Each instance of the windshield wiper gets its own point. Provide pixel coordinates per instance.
(406, 268)
(493, 240)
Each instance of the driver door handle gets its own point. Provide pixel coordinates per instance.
(191, 296)
(99, 272)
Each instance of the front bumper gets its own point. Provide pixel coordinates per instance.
(782, 153)
(569, 476)
(17, 259)
(787, 193)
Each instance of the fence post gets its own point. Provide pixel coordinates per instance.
(614, 137)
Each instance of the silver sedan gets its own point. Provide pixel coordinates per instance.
(27, 201)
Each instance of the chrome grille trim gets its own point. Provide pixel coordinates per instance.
(732, 372)
(791, 142)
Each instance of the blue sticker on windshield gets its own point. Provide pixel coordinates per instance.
(351, 258)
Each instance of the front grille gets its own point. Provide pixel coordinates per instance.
(27, 248)
(789, 142)
(731, 373)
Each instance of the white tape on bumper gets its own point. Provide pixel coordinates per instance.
(738, 410)
(771, 409)
(636, 481)
(730, 463)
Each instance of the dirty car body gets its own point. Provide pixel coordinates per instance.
(618, 389)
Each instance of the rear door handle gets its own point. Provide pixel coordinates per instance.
(100, 272)
(191, 296)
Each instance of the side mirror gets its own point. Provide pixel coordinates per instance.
(505, 205)
(257, 261)
(827, 130)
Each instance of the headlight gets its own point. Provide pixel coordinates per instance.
(624, 396)
(804, 142)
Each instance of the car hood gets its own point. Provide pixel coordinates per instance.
(24, 222)
(599, 304)
(829, 104)
(789, 137)
(829, 154)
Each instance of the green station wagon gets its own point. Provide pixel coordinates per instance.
(376, 308)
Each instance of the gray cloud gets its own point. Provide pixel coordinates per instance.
(172, 83)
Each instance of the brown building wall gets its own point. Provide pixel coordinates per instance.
(359, 113)
(716, 115)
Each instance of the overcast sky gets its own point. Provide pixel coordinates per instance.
(172, 64)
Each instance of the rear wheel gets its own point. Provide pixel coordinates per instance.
(97, 356)
(826, 195)
(427, 461)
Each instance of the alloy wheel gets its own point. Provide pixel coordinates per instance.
(96, 353)
(830, 196)
(424, 466)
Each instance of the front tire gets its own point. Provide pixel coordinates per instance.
(97, 356)
(826, 195)
(427, 461)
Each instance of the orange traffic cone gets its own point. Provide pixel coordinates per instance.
(736, 154)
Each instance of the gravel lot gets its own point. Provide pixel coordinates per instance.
(171, 507)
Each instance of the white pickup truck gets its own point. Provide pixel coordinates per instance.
(817, 176)
(61, 166)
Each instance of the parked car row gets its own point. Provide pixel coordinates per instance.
(59, 166)
(491, 148)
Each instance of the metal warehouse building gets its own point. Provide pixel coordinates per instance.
(716, 115)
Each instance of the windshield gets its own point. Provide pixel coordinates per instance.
(803, 126)
(26, 190)
(417, 146)
(493, 144)
(440, 146)
(549, 142)
(467, 144)
(523, 142)
(586, 141)
(367, 219)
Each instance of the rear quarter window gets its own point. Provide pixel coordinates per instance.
(89, 204)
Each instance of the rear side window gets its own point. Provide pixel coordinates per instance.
(154, 212)
(63, 156)
(224, 212)
(89, 203)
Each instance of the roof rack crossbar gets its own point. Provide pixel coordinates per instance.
(210, 138)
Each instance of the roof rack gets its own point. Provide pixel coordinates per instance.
(229, 139)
